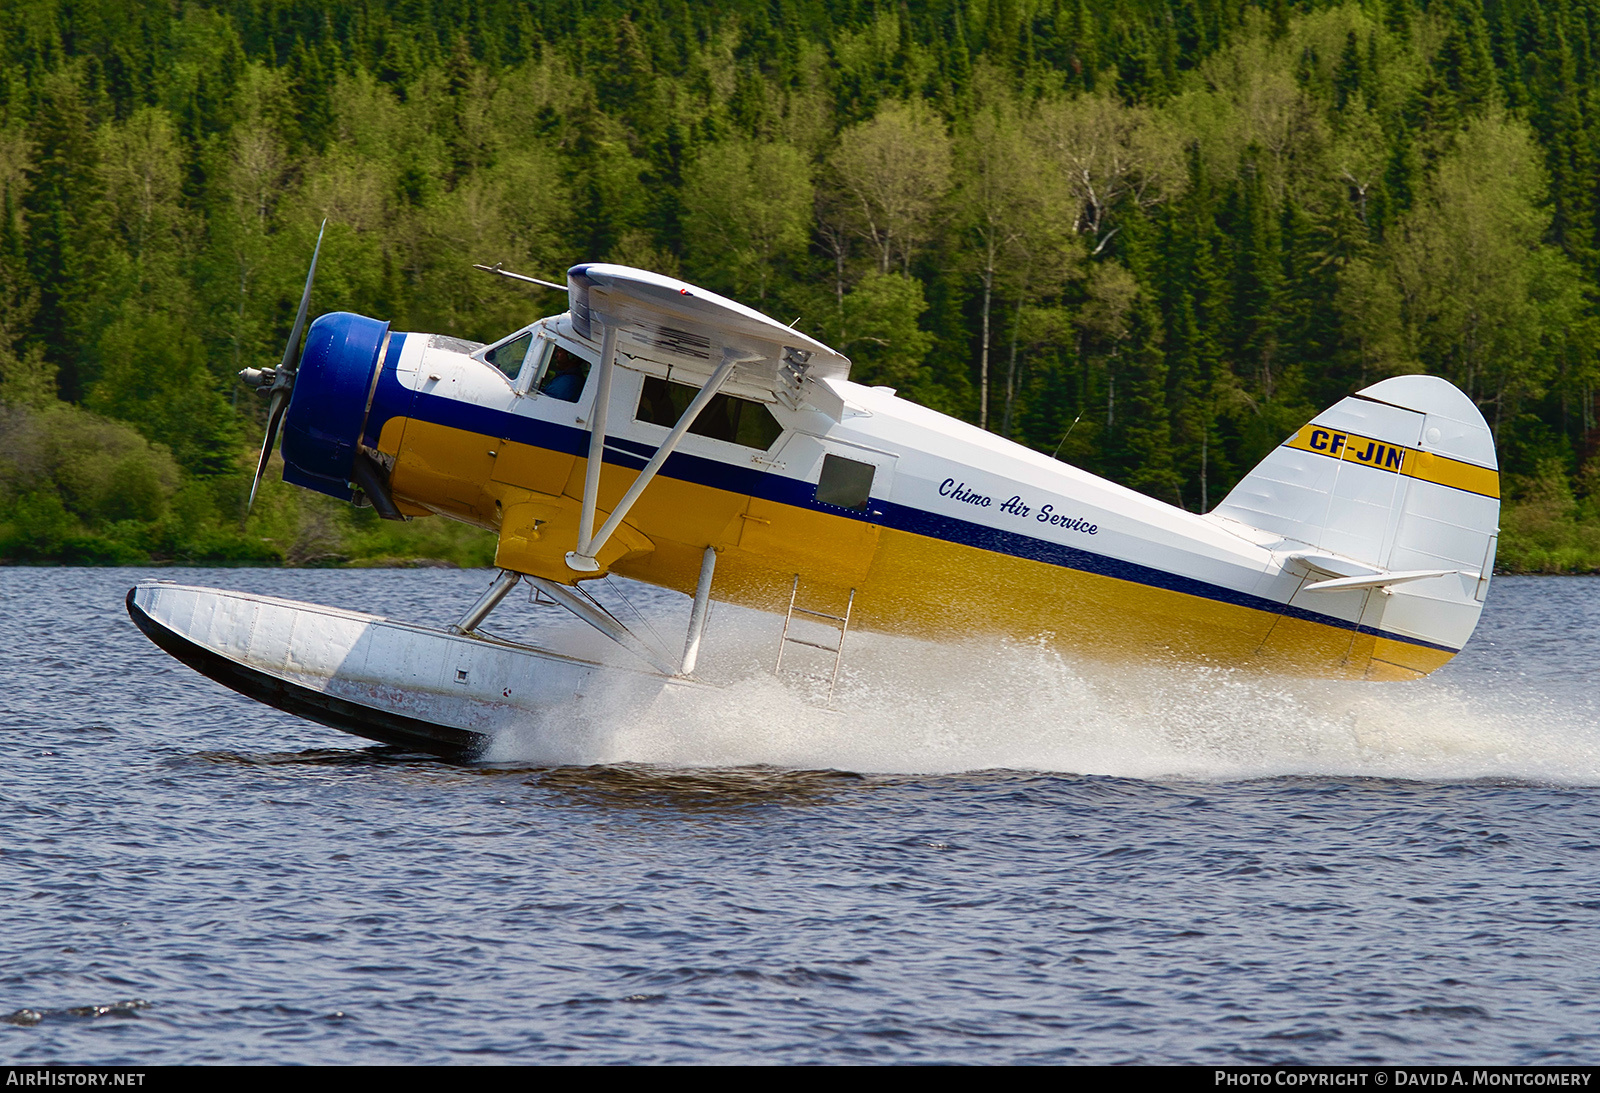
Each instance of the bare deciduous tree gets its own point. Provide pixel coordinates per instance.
(1109, 154)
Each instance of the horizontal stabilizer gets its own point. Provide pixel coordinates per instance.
(1379, 580)
(1331, 565)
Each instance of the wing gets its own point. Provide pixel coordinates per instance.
(691, 332)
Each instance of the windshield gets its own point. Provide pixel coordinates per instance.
(508, 356)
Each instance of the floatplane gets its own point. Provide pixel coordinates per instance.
(669, 435)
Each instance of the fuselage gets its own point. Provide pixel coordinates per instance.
(940, 529)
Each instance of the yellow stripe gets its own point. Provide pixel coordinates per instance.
(905, 582)
(1396, 459)
(1431, 467)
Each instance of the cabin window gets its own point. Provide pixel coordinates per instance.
(564, 375)
(508, 356)
(725, 417)
(845, 483)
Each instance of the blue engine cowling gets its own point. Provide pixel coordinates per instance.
(322, 429)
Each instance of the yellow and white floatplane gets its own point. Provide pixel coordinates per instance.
(663, 433)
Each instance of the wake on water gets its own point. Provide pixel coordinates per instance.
(910, 707)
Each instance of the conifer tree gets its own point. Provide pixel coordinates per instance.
(61, 208)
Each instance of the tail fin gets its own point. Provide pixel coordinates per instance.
(1400, 479)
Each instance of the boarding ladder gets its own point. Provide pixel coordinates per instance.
(840, 622)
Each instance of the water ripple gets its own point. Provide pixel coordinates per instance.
(1059, 864)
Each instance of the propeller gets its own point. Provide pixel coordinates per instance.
(277, 384)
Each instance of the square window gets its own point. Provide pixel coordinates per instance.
(845, 483)
(725, 417)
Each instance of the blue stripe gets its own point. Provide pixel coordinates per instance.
(700, 471)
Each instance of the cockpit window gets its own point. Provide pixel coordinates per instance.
(726, 417)
(508, 357)
(564, 375)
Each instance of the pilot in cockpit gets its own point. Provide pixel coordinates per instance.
(564, 378)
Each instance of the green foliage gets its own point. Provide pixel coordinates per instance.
(1156, 236)
(153, 374)
(294, 527)
(879, 328)
(78, 487)
(1545, 528)
(747, 214)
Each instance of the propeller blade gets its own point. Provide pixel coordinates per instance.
(300, 316)
(283, 378)
(275, 410)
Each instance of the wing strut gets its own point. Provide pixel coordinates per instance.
(590, 542)
(582, 559)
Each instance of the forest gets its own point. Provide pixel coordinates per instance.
(1151, 237)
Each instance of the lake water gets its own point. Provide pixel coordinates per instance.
(984, 854)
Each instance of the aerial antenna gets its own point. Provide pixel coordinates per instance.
(1057, 453)
(499, 270)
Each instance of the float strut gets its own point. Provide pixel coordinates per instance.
(502, 586)
(697, 614)
(602, 620)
